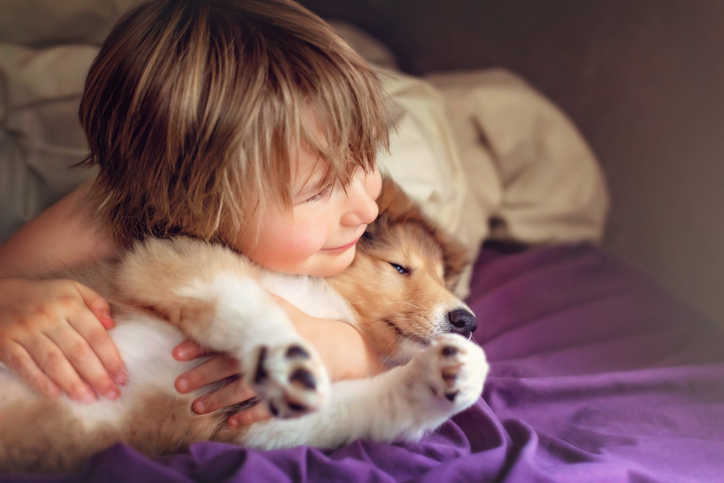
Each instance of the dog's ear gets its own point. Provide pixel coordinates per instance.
(397, 207)
(394, 207)
(393, 202)
(455, 258)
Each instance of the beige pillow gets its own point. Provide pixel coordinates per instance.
(526, 163)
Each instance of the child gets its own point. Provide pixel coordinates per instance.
(246, 123)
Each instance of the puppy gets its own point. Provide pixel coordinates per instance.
(397, 292)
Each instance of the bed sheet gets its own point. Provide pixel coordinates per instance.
(596, 375)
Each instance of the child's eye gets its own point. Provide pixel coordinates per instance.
(325, 191)
(400, 269)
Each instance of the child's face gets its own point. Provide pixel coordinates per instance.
(318, 235)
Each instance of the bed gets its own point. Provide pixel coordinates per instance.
(597, 374)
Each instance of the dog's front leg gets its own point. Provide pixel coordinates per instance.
(401, 404)
(213, 296)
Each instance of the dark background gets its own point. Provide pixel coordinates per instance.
(642, 79)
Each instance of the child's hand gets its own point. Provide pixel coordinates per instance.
(53, 334)
(344, 351)
(217, 368)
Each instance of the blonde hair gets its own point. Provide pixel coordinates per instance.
(193, 107)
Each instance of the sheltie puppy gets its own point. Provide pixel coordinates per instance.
(397, 292)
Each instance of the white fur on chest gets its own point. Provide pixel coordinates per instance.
(312, 295)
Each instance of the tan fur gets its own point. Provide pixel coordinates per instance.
(44, 436)
(163, 425)
(127, 284)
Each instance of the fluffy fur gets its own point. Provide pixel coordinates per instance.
(397, 292)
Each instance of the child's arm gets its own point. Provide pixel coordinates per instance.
(58, 237)
(345, 353)
(53, 332)
(344, 350)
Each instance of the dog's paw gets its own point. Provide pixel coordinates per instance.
(454, 370)
(290, 379)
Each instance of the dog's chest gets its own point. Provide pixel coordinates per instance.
(312, 295)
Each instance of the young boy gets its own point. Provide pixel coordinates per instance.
(246, 123)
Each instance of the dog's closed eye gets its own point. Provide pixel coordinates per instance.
(402, 270)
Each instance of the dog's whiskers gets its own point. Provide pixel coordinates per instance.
(417, 307)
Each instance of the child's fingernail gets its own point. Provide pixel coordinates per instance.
(120, 377)
(112, 394)
(199, 407)
(182, 385)
(234, 422)
(52, 390)
(88, 396)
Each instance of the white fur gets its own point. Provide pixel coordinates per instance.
(312, 295)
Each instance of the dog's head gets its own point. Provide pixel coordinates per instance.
(401, 281)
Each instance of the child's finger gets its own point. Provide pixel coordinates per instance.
(231, 394)
(250, 416)
(85, 362)
(55, 365)
(96, 304)
(188, 350)
(17, 358)
(100, 342)
(215, 369)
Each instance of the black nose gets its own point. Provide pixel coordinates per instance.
(463, 322)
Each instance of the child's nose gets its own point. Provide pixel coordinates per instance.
(361, 196)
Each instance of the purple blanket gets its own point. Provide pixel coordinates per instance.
(596, 375)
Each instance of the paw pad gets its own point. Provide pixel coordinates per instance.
(261, 374)
(303, 378)
(297, 352)
(449, 351)
(289, 379)
(449, 374)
